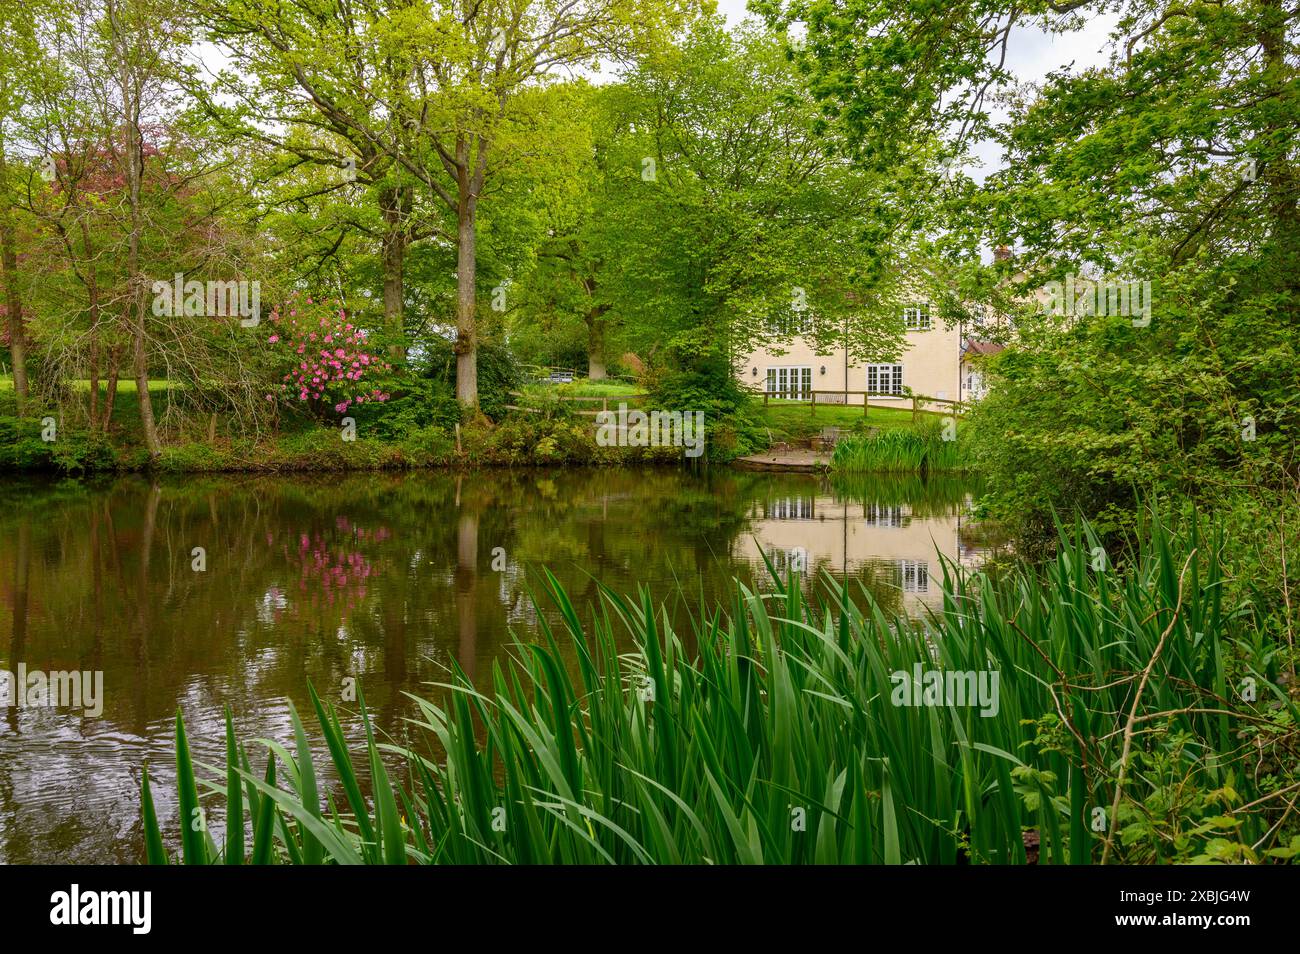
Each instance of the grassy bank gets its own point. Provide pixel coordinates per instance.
(300, 443)
(775, 732)
(793, 421)
(518, 440)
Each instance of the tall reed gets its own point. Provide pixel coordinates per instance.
(921, 448)
(1117, 736)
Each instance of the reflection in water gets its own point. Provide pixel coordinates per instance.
(388, 579)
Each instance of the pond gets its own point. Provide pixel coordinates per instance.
(204, 592)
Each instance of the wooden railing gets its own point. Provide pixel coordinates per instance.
(542, 373)
(602, 400)
(918, 400)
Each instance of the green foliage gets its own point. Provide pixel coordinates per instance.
(1204, 405)
(415, 404)
(73, 452)
(192, 458)
(732, 422)
(779, 737)
(21, 447)
(545, 439)
(498, 372)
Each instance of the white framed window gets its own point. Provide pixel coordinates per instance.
(791, 323)
(916, 576)
(917, 317)
(885, 379)
(790, 383)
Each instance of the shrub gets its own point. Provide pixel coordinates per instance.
(414, 405)
(498, 372)
(733, 425)
(21, 447)
(326, 360)
(530, 439)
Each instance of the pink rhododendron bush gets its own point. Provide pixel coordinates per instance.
(327, 361)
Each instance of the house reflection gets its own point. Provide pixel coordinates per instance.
(892, 546)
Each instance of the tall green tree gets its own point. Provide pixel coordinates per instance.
(17, 42)
(733, 218)
(430, 86)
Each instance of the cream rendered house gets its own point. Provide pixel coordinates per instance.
(939, 362)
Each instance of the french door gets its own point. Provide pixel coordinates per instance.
(790, 383)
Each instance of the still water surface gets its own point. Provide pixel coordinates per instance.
(387, 579)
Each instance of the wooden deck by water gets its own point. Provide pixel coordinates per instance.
(796, 460)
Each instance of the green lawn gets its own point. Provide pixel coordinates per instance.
(124, 385)
(796, 419)
(585, 388)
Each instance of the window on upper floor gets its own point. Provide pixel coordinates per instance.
(917, 317)
(791, 322)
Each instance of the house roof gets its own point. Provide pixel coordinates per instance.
(971, 346)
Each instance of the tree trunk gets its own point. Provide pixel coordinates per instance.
(13, 300)
(140, 363)
(92, 296)
(469, 182)
(134, 174)
(393, 205)
(94, 376)
(1279, 175)
(596, 343)
(110, 385)
(466, 347)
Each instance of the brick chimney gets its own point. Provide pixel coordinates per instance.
(1001, 253)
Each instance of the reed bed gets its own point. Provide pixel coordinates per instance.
(918, 449)
(1118, 736)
